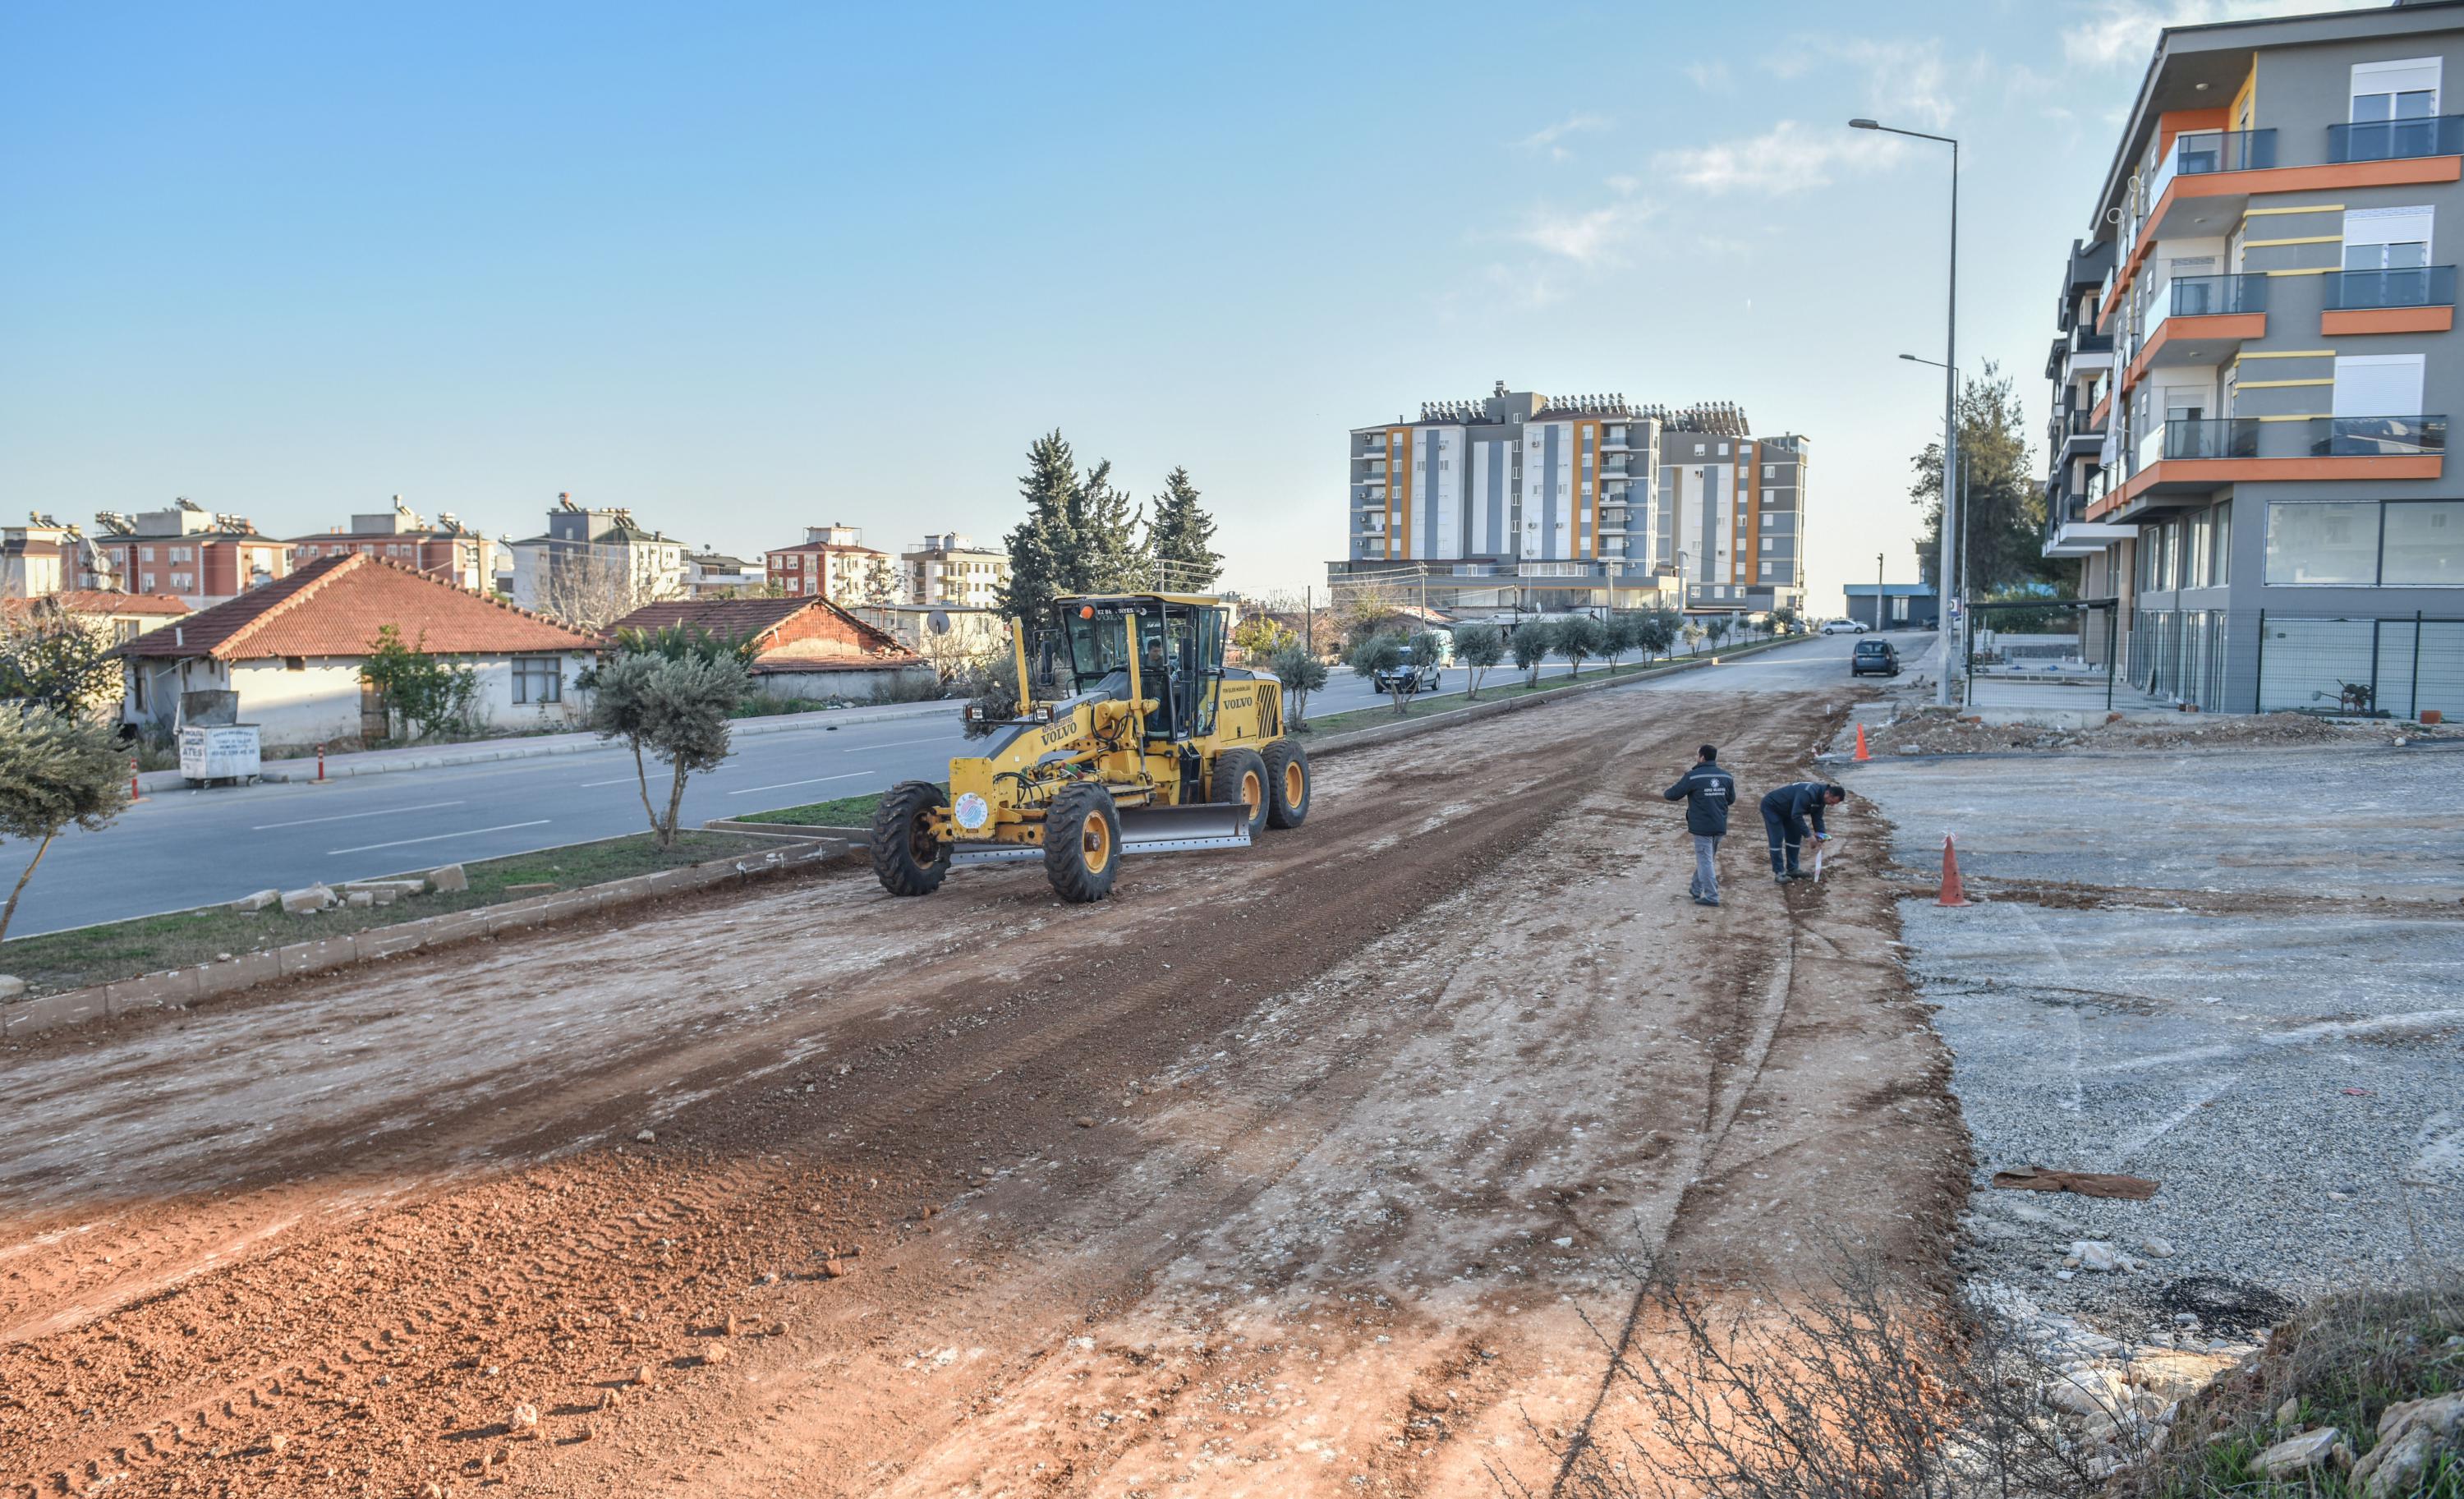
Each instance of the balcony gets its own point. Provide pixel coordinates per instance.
(2070, 532)
(2396, 139)
(2401, 299)
(2185, 460)
(2206, 164)
(2199, 320)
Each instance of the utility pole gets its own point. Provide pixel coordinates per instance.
(1878, 593)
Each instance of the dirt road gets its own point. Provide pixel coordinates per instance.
(1292, 1171)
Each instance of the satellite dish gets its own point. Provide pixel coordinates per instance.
(939, 622)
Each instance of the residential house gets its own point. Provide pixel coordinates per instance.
(803, 648)
(448, 550)
(203, 557)
(949, 569)
(292, 648)
(591, 566)
(2258, 365)
(712, 574)
(832, 562)
(948, 637)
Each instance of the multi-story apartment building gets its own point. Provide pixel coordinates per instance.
(1559, 502)
(198, 557)
(44, 557)
(949, 569)
(832, 562)
(713, 574)
(448, 551)
(2258, 355)
(593, 566)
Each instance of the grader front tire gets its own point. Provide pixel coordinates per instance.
(1082, 844)
(906, 857)
(1239, 774)
(1291, 783)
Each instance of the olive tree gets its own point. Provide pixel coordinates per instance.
(1383, 652)
(1786, 621)
(1479, 647)
(1533, 643)
(674, 707)
(58, 769)
(1657, 630)
(1301, 673)
(1580, 635)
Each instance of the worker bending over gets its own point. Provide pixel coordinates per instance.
(1787, 812)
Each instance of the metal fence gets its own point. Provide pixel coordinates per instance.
(2386, 668)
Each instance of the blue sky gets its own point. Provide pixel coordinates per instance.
(745, 268)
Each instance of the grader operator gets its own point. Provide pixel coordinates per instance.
(1158, 747)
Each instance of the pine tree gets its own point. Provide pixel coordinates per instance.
(1044, 547)
(2003, 508)
(1178, 537)
(1111, 559)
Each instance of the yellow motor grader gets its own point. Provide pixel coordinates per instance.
(1156, 749)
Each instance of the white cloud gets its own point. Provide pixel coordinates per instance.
(2123, 31)
(1592, 237)
(1906, 81)
(1549, 139)
(1711, 77)
(1788, 158)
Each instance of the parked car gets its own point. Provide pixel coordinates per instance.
(1408, 677)
(1843, 627)
(1876, 657)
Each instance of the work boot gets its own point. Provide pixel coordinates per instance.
(1705, 900)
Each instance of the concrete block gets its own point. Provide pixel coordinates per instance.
(11, 986)
(359, 900)
(447, 877)
(316, 956)
(258, 901)
(389, 941)
(244, 971)
(383, 888)
(178, 988)
(32, 1017)
(314, 897)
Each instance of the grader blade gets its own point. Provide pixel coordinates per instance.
(1175, 830)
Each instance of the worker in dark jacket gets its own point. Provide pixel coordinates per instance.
(1787, 812)
(1708, 792)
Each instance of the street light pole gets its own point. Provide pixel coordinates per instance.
(1945, 566)
(1878, 593)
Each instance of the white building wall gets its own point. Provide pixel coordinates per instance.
(320, 703)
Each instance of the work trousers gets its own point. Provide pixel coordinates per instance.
(1707, 878)
(1782, 843)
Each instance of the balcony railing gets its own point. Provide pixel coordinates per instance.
(2200, 152)
(2203, 296)
(2396, 139)
(2377, 436)
(2405, 286)
(2203, 437)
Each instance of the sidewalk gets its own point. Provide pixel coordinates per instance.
(414, 757)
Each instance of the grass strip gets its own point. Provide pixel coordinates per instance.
(54, 961)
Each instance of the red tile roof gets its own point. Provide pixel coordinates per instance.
(99, 601)
(758, 617)
(334, 608)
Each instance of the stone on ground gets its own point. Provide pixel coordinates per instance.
(300, 902)
(2299, 1454)
(447, 877)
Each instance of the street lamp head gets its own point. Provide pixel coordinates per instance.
(1864, 124)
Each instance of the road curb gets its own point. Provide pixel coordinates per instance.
(340, 767)
(180, 988)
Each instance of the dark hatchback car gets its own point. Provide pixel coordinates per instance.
(1876, 657)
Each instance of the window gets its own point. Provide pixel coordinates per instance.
(149, 582)
(538, 679)
(180, 581)
(1766, 544)
(2194, 551)
(1700, 449)
(2387, 239)
(1770, 472)
(2378, 385)
(2313, 542)
(145, 554)
(2403, 90)
(2425, 543)
(2220, 571)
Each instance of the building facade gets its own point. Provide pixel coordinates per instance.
(832, 562)
(44, 557)
(592, 566)
(2252, 389)
(1526, 501)
(712, 574)
(446, 551)
(949, 569)
(200, 557)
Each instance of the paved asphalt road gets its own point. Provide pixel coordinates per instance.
(179, 849)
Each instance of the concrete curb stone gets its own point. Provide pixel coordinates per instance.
(182, 987)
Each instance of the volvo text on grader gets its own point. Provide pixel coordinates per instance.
(1158, 748)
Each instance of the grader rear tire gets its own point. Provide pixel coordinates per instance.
(1239, 774)
(1291, 784)
(906, 857)
(1082, 844)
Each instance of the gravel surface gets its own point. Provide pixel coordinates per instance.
(1931, 734)
(2231, 973)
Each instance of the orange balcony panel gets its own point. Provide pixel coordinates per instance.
(2223, 327)
(2332, 178)
(2104, 410)
(2387, 320)
(2255, 471)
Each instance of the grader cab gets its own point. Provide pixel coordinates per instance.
(1154, 747)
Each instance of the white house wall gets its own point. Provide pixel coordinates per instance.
(320, 703)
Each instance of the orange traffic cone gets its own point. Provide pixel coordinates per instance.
(1951, 892)
(1861, 743)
